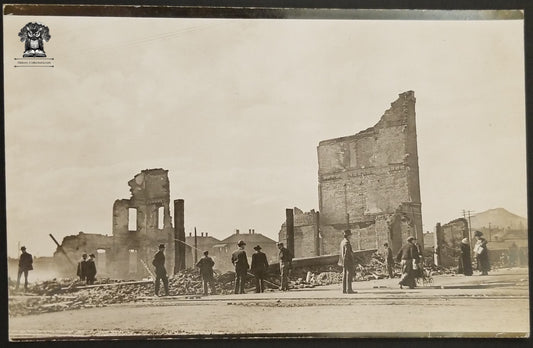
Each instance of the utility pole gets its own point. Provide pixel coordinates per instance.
(465, 212)
(347, 215)
(195, 247)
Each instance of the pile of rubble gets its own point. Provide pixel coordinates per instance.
(66, 294)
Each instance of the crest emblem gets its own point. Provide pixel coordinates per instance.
(33, 35)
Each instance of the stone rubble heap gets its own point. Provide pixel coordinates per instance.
(66, 294)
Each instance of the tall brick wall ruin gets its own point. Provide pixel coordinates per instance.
(122, 254)
(369, 182)
(150, 191)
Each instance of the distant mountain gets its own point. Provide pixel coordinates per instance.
(498, 218)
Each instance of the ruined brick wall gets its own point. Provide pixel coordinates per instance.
(86, 243)
(369, 180)
(448, 240)
(150, 191)
(306, 240)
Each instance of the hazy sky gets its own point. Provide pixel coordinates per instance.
(234, 109)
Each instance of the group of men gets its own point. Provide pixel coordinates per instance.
(259, 267)
(86, 270)
(239, 259)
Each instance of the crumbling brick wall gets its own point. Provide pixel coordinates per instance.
(85, 243)
(150, 191)
(448, 241)
(369, 182)
(126, 250)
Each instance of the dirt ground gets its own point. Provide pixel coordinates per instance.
(495, 306)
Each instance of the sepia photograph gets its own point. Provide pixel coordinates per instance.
(194, 172)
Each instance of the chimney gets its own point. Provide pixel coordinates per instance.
(190, 234)
(249, 231)
(253, 231)
(206, 234)
(202, 234)
(237, 231)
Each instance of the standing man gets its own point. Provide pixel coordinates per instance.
(90, 270)
(25, 265)
(240, 261)
(389, 260)
(347, 262)
(160, 270)
(285, 265)
(407, 256)
(206, 272)
(82, 268)
(259, 268)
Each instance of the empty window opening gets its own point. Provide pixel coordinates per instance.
(160, 217)
(100, 260)
(132, 219)
(132, 265)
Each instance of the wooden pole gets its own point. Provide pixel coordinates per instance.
(60, 248)
(195, 247)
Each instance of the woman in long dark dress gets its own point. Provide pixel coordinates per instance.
(482, 253)
(465, 262)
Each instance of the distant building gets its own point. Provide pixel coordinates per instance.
(204, 242)
(222, 251)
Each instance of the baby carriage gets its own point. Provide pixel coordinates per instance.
(423, 275)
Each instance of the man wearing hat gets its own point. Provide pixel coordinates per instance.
(205, 264)
(90, 270)
(407, 256)
(82, 268)
(25, 265)
(285, 265)
(347, 262)
(259, 268)
(160, 270)
(240, 261)
(482, 254)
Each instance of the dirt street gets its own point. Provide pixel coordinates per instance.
(450, 307)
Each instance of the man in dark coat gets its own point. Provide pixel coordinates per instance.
(25, 265)
(240, 261)
(160, 270)
(407, 256)
(259, 268)
(285, 265)
(82, 268)
(465, 261)
(205, 264)
(347, 262)
(389, 260)
(90, 270)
